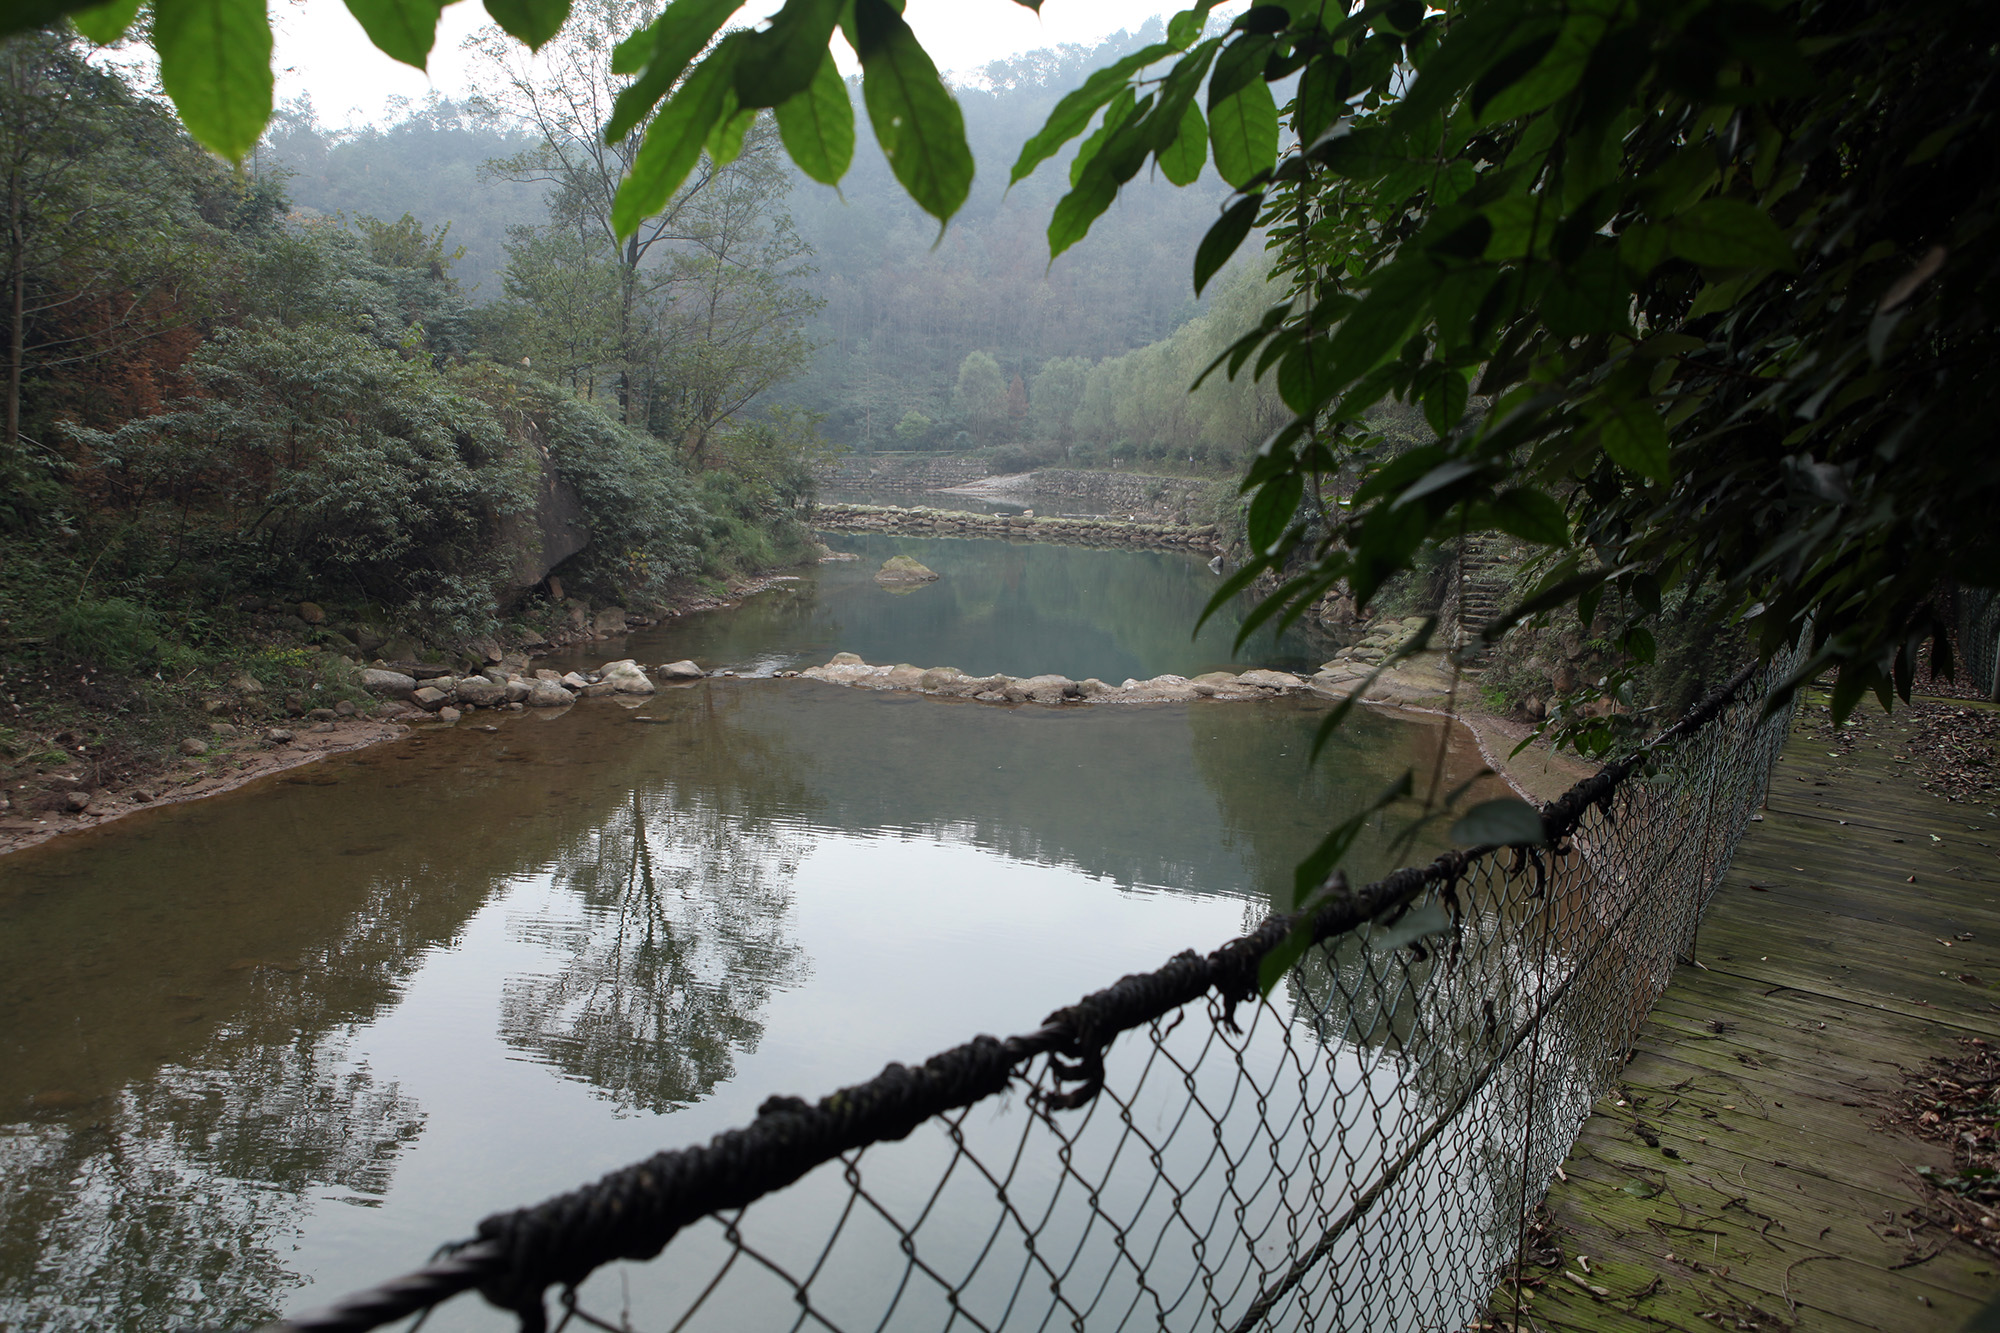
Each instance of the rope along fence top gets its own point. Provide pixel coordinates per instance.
(1454, 1040)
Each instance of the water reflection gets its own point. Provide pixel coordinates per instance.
(684, 935)
(213, 1057)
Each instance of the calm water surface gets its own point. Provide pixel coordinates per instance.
(275, 1045)
(1019, 607)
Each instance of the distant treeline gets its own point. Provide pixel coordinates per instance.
(969, 341)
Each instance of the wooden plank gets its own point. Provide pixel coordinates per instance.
(1753, 1103)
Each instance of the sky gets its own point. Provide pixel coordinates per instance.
(322, 52)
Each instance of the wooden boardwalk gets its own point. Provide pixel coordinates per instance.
(1743, 1175)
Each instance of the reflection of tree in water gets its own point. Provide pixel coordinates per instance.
(133, 1214)
(686, 928)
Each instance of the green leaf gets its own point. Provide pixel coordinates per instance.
(676, 137)
(1506, 822)
(1182, 160)
(1377, 328)
(1115, 116)
(1240, 64)
(1476, 33)
(1070, 221)
(1589, 296)
(1319, 103)
(1444, 402)
(1727, 233)
(725, 141)
(675, 38)
(215, 63)
(1271, 512)
(1639, 642)
(1224, 237)
(1075, 111)
(1643, 246)
(916, 120)
(105, 24)
(779, 62)
(817, 126)
(1244, 133)
(403, 30)
(530, 21)
(1635, 437)
(1554, 75)
(1530, 515)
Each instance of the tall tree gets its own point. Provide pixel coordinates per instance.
(568, 93)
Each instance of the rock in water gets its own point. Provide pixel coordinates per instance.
(549, 694)
(682, 670)
(901, 570)
(625, 676)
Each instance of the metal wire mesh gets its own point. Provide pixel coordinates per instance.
(1356, 1151)
(1979, 638)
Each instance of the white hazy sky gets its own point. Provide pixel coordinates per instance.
(321, 50)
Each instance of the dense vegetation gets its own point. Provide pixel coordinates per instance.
(216, 405)
(974, 342)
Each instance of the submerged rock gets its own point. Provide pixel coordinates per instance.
(901, 569)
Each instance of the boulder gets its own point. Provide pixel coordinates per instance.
(388, 684)
(902, 571)
(1281, 681)
(480, 692)
(245, 683)
(575, 680)
(345, 708)
(549, 694)
(368, 638)
(686, 670)
(428, 698)
(543, 673)
(1047, 689)
(845, 659)
(626, 676)
(596, 690)
(609, 621)
(192, 746)
(449, 714)
(278, 736)
(1160, 689)
(312, 613)
(518, 690)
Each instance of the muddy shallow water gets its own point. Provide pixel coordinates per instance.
(264, 1048)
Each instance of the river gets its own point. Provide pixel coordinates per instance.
(281, 1043)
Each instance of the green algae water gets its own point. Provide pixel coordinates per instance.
(265, 1048)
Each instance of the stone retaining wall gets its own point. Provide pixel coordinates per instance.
(1154, 499)
(1066, 531)
(905, 472)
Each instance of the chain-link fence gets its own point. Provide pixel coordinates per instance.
(1979, 638)
(1357, 1151)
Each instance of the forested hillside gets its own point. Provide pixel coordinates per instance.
(218, 403)
(920, 341)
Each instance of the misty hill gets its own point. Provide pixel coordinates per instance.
(902, 310)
